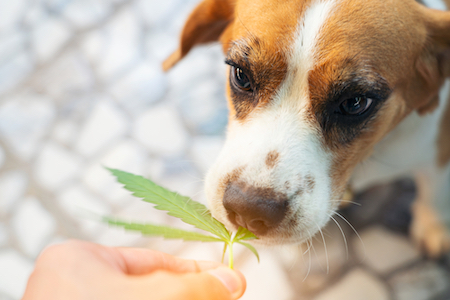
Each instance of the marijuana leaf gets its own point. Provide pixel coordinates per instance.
(163, 231)
(184, 208)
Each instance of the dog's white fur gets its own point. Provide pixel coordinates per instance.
(282, 127)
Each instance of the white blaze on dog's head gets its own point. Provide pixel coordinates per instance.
(313, 85)
(277, 147)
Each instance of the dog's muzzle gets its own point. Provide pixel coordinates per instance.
(257, 209)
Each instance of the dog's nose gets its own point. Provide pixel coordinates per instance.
(257, 209)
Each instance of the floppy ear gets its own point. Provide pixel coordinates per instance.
(433, 66)
(205, 24)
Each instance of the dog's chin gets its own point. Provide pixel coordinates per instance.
(277, 237)
(277, 241)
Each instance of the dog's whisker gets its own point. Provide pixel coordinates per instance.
(348, 201)
(356, 232)
(309, 245)
(309, 267)
(325, 248)
(343, 234)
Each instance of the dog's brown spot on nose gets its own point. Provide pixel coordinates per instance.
(298, 192)
(233, 176)
(272, 159)
(310, 183)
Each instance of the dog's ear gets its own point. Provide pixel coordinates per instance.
(433, 65)
(205, 24)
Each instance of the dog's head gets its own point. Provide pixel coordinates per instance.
(313, 86)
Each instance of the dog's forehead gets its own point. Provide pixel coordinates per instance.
(377, 30)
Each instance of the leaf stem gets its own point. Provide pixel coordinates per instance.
(225, 245)
(230, 255)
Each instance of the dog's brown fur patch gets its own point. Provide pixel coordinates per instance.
(443, 142)
(272, 159)
(310, 183)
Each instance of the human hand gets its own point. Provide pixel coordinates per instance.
(81, 270)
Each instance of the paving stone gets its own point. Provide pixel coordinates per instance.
(105, 124)
(14, 272)
(356, 285)
(55, 166)
(12, 187)
(204, 107)
(443, 296)
(389, 203)
(3, 235)
(127, 156)
(34, 14)
(421, 282)
(161, 131)
(14, 70)
(86, 13)
(66, 77)
(11, 13)
(143, 212)
(115, 46)
(11, 42)
(5, 297)
(24, 120)
(118, 237)
(197, 85)
(159, 45)
(84, 208)
(312, 265)
(2, 157)
(65, 131)
(178, 17)
(205, 150)
(203, 251)
(156, 13)
(190, 73)
(142, 86)
(385, 250)
(266, 280)
(49, 37)
(185, 184)
(33, 226)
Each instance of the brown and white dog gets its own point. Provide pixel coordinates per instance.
(316, 88)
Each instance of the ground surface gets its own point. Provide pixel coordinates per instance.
(81, 87)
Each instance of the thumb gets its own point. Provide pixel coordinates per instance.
(221, 283)
(232, 280)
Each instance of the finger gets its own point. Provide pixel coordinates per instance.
(135, 261)
(219, 284)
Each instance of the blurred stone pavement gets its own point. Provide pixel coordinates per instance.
(81, 87)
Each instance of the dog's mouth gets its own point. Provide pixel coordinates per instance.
(290, 225)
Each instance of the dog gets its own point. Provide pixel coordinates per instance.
(325, 95)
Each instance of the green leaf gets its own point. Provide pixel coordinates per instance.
(163, 231)
(250, 247)
(184, 208)
(244, 234)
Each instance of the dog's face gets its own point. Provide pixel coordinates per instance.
(312, 87)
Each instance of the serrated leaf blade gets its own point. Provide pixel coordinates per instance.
(244, 234)
(163, 231)
(251, 248)
(184, 208)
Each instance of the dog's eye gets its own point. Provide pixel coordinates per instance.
(240, 79)
(355, 106)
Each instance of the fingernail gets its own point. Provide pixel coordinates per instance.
(230, 279)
